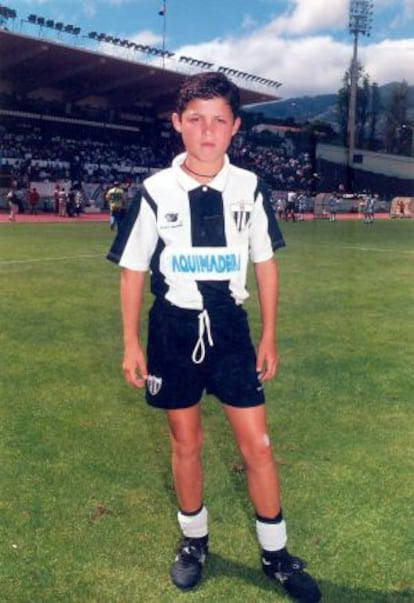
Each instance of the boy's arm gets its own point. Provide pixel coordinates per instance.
(267, 285)
(134, 363)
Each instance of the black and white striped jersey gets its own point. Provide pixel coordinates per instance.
(197, 239)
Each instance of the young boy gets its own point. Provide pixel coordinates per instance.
(194, 228)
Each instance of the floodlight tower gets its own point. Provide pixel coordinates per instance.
(163, 13)
(360, 21)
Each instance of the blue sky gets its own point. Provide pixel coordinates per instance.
(304, 44)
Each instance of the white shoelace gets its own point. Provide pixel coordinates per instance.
(199, 351)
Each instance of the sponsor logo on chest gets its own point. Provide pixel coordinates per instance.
(204, 263)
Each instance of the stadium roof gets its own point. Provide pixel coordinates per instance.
(30, 64)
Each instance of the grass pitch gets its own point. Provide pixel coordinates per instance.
(87, 508)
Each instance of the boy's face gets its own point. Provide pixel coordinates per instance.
(206, 127)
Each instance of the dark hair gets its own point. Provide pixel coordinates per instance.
(210, 84)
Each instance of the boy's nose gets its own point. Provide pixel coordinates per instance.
(207, 127)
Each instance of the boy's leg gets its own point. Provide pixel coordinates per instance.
(249, 429)
(186, 443)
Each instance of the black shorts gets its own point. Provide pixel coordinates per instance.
(228, 370)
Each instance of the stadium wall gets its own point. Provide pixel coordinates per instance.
(393, 166)
(386, 174)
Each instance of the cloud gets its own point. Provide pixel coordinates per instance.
(304, 66)
(147, 37)
(305, 17)
(387, 61)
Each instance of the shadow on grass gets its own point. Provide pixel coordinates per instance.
(331, 593)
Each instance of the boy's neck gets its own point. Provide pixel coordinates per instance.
(199, 175)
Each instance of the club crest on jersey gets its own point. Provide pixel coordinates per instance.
(154, 384)
(241, 213)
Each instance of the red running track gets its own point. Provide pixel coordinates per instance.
(104, 217)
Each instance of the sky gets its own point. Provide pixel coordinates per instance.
(304, 44)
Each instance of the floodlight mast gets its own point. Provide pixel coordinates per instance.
(163, 13)
(360, 21)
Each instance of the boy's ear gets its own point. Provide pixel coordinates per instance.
(176, 122)
(236, 125)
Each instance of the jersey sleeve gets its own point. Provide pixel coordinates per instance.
(137, 237)
(265, 234)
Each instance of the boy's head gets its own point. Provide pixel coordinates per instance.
(207, 85)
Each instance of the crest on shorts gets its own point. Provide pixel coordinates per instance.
(241, 213)
(154, 384)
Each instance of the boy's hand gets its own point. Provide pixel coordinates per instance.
(267, 360)
(134, 366)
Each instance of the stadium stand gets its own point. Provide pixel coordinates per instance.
(84, 118)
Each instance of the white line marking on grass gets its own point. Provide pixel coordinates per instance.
(58, 259)
(376, 249)
(358, 248)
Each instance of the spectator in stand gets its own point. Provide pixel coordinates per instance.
(33, 200)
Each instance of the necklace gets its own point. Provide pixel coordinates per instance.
(211, 176)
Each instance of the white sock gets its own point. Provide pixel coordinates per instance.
(271, 536)
(194, 526)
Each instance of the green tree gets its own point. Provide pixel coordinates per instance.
(375, 110)
(395, 138)
(363, 110)
(343, 107)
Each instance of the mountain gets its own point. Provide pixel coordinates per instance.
(321, 107)
(300, 108)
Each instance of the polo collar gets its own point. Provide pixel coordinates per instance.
(188, 183)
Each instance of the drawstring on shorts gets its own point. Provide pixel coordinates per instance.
(204, 327)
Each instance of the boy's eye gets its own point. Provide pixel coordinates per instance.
(195, 119)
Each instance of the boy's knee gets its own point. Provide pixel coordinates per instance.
(258, 451)
(187, 445)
